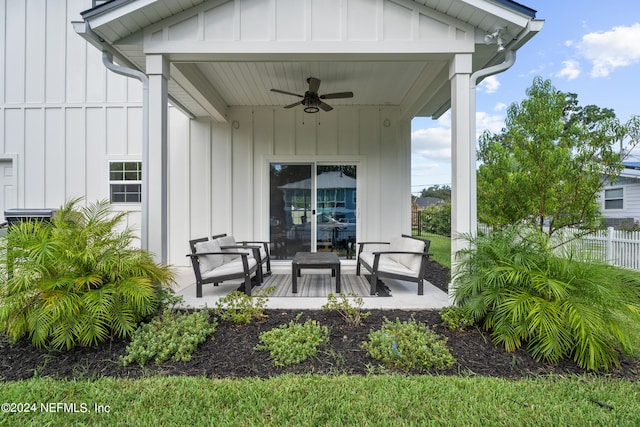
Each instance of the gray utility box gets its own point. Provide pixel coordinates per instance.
(15, 215)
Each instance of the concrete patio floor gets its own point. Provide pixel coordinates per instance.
(404, 295)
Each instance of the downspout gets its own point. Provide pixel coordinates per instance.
(107, 60)
(509, 60)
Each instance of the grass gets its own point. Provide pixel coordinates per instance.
(440, 248)
(327, 400)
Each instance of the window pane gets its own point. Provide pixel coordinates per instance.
(614, 193)
(613, 204)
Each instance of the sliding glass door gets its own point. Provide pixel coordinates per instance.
(312, 208)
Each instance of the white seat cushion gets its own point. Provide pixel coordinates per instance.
(209, 262)
(388, 266)
(233, 267)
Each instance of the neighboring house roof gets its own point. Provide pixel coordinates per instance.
(425, 202)
(334, 179)
(631, 170)
(631, 165)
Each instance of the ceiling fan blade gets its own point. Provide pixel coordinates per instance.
(337, 95)
(286, 93)
(325, 107)
(293, 105)
(314, 84)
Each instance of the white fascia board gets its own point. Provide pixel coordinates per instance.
(115, 13)
(320, 51)
(501, 12)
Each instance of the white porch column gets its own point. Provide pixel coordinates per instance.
(463, 152)
(157, 164)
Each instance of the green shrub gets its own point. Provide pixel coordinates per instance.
(172, 336)
(456, 318)
(293, 343)
(559, 301)
(351, 312)
(77, 279)
(408, 345)
(238, 307)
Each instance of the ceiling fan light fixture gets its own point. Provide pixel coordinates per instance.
(311, 105)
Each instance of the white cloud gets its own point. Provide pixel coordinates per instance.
(432, 144)
(489, 84)
(571, 69)
(500, 106)
(612, 49)
(491, 122)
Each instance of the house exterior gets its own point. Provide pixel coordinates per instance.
(620, 201)
(166, 107)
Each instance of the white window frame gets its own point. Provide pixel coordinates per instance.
(606, 199)
(126, 181)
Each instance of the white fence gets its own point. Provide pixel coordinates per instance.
(618, 247)
(621, 248)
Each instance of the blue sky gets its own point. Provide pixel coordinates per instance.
(588, 47)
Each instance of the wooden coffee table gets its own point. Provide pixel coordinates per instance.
(316, 260)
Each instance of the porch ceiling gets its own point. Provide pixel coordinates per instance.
(204, 84)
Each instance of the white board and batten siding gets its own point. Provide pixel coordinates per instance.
(63, 115)
(226, 189)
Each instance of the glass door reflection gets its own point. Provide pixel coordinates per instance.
(290, 212)
(336, 209)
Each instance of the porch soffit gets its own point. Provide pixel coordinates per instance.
(228, 53)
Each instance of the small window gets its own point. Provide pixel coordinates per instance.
(613, 198)
(125, 182)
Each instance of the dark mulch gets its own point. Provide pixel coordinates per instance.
(231, 354)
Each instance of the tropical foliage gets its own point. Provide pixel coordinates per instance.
(549, 163)
(77, 279)
(558, 301)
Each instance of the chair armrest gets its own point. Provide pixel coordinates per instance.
(400, 252)
(197, 254)
(361, 246)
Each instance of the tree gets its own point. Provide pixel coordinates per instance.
(549, 163)
(440, 191)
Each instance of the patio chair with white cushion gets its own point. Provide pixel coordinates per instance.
(212, 264)
(228, 242)
(406, 259)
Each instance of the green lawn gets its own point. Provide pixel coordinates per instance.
(324, 400)
(440, 248)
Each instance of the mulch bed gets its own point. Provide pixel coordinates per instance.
(231, 353)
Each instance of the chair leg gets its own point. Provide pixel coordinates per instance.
(374, 283)
(268, 273)
(247, 284)
(259, 275)
(198, 290)
(358, 268)
(420, 287)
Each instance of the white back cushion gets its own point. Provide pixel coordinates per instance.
(396, 245)
(228, 241)
(412, 262)
(209, 262)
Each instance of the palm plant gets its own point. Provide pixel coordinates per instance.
(77, 279)
(558, 300)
